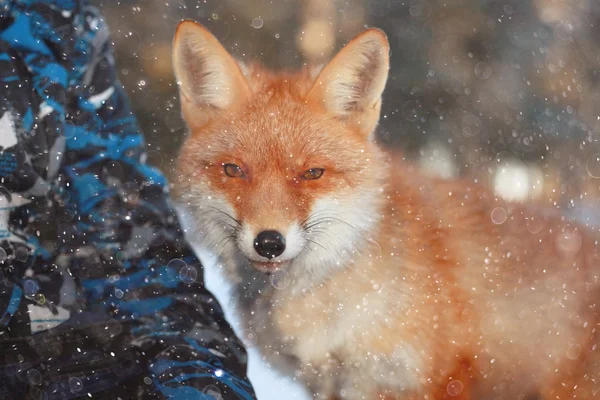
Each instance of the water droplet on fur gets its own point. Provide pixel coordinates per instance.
(426, 215)
(535, 225)
(280, 279)
(249, 338)
(499, 215)
(455, 388)
(574, 351)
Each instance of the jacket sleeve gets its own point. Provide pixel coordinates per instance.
(94, 219)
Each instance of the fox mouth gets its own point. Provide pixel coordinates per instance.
(269, 267)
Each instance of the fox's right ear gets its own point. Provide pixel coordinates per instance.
(351, 85)
(209, 79)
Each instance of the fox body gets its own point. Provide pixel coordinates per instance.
(390, 284)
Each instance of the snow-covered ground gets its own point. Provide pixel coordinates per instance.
(268, 384)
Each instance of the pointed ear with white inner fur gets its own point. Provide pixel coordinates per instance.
(209, 79)
(351, 85)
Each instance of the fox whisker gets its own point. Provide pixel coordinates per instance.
(224, 241)
(316, 243)
(237, 221)
(312, 223)
(313, 232)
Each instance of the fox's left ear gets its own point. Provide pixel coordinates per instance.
(351, 85)
(209, 79)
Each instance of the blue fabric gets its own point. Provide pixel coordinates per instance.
(100, 295)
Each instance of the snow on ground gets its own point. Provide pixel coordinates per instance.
(268, 384)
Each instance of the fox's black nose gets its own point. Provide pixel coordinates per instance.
(269, 244)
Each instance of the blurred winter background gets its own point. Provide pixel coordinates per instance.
(506, 92)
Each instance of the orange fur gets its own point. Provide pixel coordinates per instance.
(431, 290)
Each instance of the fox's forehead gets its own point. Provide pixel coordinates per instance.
(284, 125)
(280, 124)
(279, 98)
(266, 84)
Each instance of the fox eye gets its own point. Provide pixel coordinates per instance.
(313, 173)
(233, 171)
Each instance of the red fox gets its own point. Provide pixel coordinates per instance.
(398, 286)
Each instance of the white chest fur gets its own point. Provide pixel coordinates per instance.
(330, 333)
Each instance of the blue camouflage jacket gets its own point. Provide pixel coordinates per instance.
(100, 295)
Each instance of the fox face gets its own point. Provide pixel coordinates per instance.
(280, 169)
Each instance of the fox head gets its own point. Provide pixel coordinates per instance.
(280, 169)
